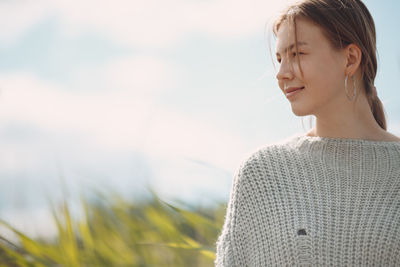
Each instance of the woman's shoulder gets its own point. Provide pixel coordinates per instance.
(281, 146)
(268, 155)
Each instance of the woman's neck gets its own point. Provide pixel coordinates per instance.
(352, 133)
(353, 121)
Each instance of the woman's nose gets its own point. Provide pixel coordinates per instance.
(285, 71)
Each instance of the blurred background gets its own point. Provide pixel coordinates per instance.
(125, 94)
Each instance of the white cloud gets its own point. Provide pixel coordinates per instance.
(142, 75)
(150, 23)
(125, 117)
(88, 134)
(154, 23)
(16, 17)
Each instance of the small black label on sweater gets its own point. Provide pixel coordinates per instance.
(301, 232)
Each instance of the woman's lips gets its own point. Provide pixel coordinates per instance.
(292, 91)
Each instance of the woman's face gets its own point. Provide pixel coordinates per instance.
(323, 69)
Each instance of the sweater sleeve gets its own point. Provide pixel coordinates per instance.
(229, 243)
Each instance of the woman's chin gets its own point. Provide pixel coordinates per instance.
(300, 111)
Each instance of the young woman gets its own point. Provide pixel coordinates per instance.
(331, 196)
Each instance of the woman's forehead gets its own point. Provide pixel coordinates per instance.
(290, 47)
(307, 33)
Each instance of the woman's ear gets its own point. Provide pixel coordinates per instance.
(353, 58)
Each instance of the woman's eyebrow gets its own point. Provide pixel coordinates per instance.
(290, 47)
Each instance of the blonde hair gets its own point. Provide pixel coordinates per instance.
(343, 22)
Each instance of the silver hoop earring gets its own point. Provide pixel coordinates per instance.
(354, 88)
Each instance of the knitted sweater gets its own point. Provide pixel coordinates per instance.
(314, 201)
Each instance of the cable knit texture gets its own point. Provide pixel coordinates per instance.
(314, 201)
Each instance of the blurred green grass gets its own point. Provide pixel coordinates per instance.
(116, 232)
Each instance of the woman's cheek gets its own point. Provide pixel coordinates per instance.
(296, 69)
(305, 68)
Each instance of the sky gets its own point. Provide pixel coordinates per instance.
(172, 94)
